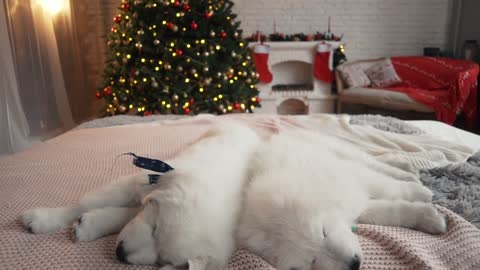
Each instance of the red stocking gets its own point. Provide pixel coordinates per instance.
(323, 67)
(260, 58)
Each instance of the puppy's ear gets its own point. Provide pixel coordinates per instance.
(152, 197)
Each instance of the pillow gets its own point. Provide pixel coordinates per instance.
(353, 75)
(383, 74)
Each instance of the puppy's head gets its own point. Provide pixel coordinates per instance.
(291, 236)
(136, 242)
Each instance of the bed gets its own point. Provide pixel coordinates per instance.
(59, 171)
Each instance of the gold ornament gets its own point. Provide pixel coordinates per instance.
(212, 34)
(117, 41)
(140, 32)
(219, 74)
(167, 66)
(206, 53)
(205, 69)
(175, 97)
(124, 60)
(208, 81)
(175, 28)
(236, 35)
(234, 54)
(193, 71)
(230, 70)
(179, 68)
(156, 42)
(122, 109)
(155, 84)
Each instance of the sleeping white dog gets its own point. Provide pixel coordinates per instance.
(187, 218)
(308, 190)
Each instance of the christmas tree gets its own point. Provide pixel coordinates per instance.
(180, 57)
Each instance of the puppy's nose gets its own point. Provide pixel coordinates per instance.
(121, 254)
(355, 263)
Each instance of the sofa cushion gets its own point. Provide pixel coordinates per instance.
(353, 75)
(383, 74)
(381, 98)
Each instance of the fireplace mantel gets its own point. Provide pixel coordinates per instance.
(291, 63)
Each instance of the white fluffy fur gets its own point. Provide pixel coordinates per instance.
(305, 192)
(189, 216)
(308, 190)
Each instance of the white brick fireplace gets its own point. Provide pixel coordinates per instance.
(294, 89)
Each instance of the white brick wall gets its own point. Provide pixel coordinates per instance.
(372, 28)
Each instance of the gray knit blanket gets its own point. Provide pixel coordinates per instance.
(455, 186)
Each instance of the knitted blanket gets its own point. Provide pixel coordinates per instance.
(58, 172)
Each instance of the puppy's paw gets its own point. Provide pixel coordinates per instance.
(420, 193)
(84, 229)
(432, 221)
(43, 220)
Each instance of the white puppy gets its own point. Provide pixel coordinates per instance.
(189, 217)
(308, 190)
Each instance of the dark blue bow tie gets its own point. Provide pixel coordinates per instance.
(151, 165)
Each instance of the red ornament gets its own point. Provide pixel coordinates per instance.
(170, 25)
(186, 110)
(259, 100)
(236, 106)
(186, 7)
(98, 95)
(107, 90)
(147, 113)
(126, 6)
(179, 52)
(177, 3)
(223, 34)
(194, 25)
(117, 19)
(192, 101)
(113, 29)
(308, 38)
(208, 15)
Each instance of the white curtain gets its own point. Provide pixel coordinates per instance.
(14, 131)
(35, 77)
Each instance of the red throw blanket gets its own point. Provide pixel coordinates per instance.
(445, 85)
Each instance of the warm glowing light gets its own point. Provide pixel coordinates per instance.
(143, 60)
(215, 99)
(172, 44)
(164, 102)
(144, 79)
(129, 56)
(188, 46)
(202, 41)
(229, 108)
(220, 96)
(130, 106)
(187, 80)
(217, 47)
(168, 106)
(201, 89)
(53, 6)
(157, 68)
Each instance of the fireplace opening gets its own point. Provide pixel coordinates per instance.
(292, 106)
(292, 76)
